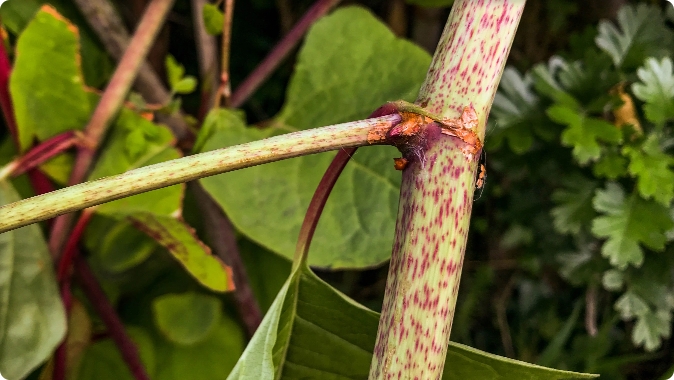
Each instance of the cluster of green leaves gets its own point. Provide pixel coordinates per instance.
(609, 102)
(165, 284)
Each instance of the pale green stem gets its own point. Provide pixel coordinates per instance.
(437, 192)
(35, 209)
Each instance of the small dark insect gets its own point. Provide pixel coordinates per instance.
(400, 163)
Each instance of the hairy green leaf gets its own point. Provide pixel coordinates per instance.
(186, 318)
(651, 166)
(626, 223)
(656, 88)
(32, 317)
(350, 64)
(631, 305)
(47, 86)
(583, 133)
(641, 33)
(651, 327)
(312, 331)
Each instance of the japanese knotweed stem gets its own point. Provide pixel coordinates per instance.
(437, 189)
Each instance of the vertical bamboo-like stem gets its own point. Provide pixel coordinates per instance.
(437, 191)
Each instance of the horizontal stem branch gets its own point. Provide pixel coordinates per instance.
(353, 134)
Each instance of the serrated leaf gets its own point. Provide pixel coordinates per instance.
(516, 111)
(48, 98)
(32, 317)
(656, 89)
(214, 19)
(181, 241)
(651, 166)
(584, 134)
(640, 33)
(151, 144)
(650, 328)
(627, 223)
(574, 208)
(630, 305)
(344, 72)
(611, 164)
(186, 318)
(312, 331)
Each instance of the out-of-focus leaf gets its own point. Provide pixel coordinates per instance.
(212, 358)
(630, 305)
(180, 240)
(349, 65)
(213, 19)
(516, 111)
(115, 245)
(611, 164)
(312, 331)
(627, 223)
(102, 360)
(47, 86)
(656, 88)
(613, 280)
(651, 166)
(150, 144)
(583, 133)
(431, 3)
(651, 328)
(641, 33)
(574, 208)
(186, 318)
(32, 318)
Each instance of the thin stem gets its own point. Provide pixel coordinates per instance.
(111, 102)
(206, 53)
(280, 52)
(70, 249)
(358, 133)
(317, 203)
(61, 354)
(41, 153)
(106, 311)
(226, 85)
(222, 239)
(110, 29)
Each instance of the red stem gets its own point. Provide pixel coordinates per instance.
(280, 52)
(61, 354)
(44, 151)
(106, 311)
(70, 250)
(5, 99)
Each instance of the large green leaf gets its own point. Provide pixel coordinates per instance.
(47, 86)
(313, 332)
(96, 63)
(32, 318)
(350, 64)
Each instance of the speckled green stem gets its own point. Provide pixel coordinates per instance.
(35, 209)
(437, 193)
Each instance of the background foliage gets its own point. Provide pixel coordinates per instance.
(569, 263)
